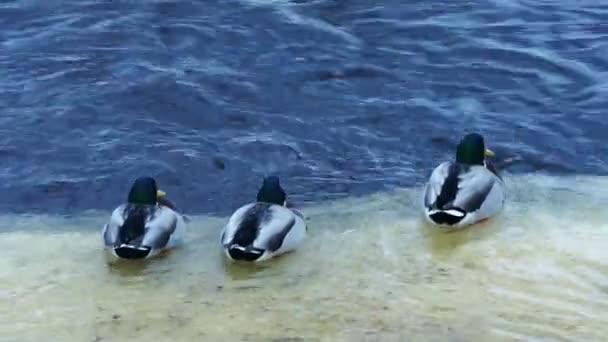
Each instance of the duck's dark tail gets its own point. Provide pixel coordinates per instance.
(448, 217)
(131, 252)
(240, 253)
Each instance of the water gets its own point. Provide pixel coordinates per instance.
(370, 271)
(352, 104)
(338, 99)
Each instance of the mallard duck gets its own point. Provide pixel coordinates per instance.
(264, 229)
(144, 226)
(465, 191)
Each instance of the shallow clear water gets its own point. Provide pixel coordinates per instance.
(369, 271)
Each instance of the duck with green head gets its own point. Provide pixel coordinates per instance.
(146, 225)
(465, 191)
(263, 229)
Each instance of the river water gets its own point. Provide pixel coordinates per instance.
(352, 104)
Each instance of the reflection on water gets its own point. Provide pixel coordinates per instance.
(371, 270)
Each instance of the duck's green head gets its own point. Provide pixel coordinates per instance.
(472, 150)
(271, 191)
(144, 191)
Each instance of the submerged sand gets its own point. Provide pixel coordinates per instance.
(370, 270)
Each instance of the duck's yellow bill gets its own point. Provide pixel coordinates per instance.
(489, 153)
(160, 193)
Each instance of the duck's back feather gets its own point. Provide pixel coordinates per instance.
(249, 226)
(136, 218)
(459, 186)
(260, 225)
(474, 186)
(161, 227)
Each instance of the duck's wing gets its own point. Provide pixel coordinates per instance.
(474, 185)
(260, 225)
(234, 224)
(159, 228)
(275, 225)
(435, 184)
(110, 230)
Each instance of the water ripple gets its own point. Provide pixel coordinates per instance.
(338, 98)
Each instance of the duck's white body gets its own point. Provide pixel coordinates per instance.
(163, 230)
(260, 231)
(458, 195)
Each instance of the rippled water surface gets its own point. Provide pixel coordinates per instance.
(339, 98)
(352, 103)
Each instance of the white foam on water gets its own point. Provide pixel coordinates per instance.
(370, 270)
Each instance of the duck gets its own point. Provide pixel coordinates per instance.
(145, 226)
(465, 191)
(263, 229)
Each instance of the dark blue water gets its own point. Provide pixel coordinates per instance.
(339, 98)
